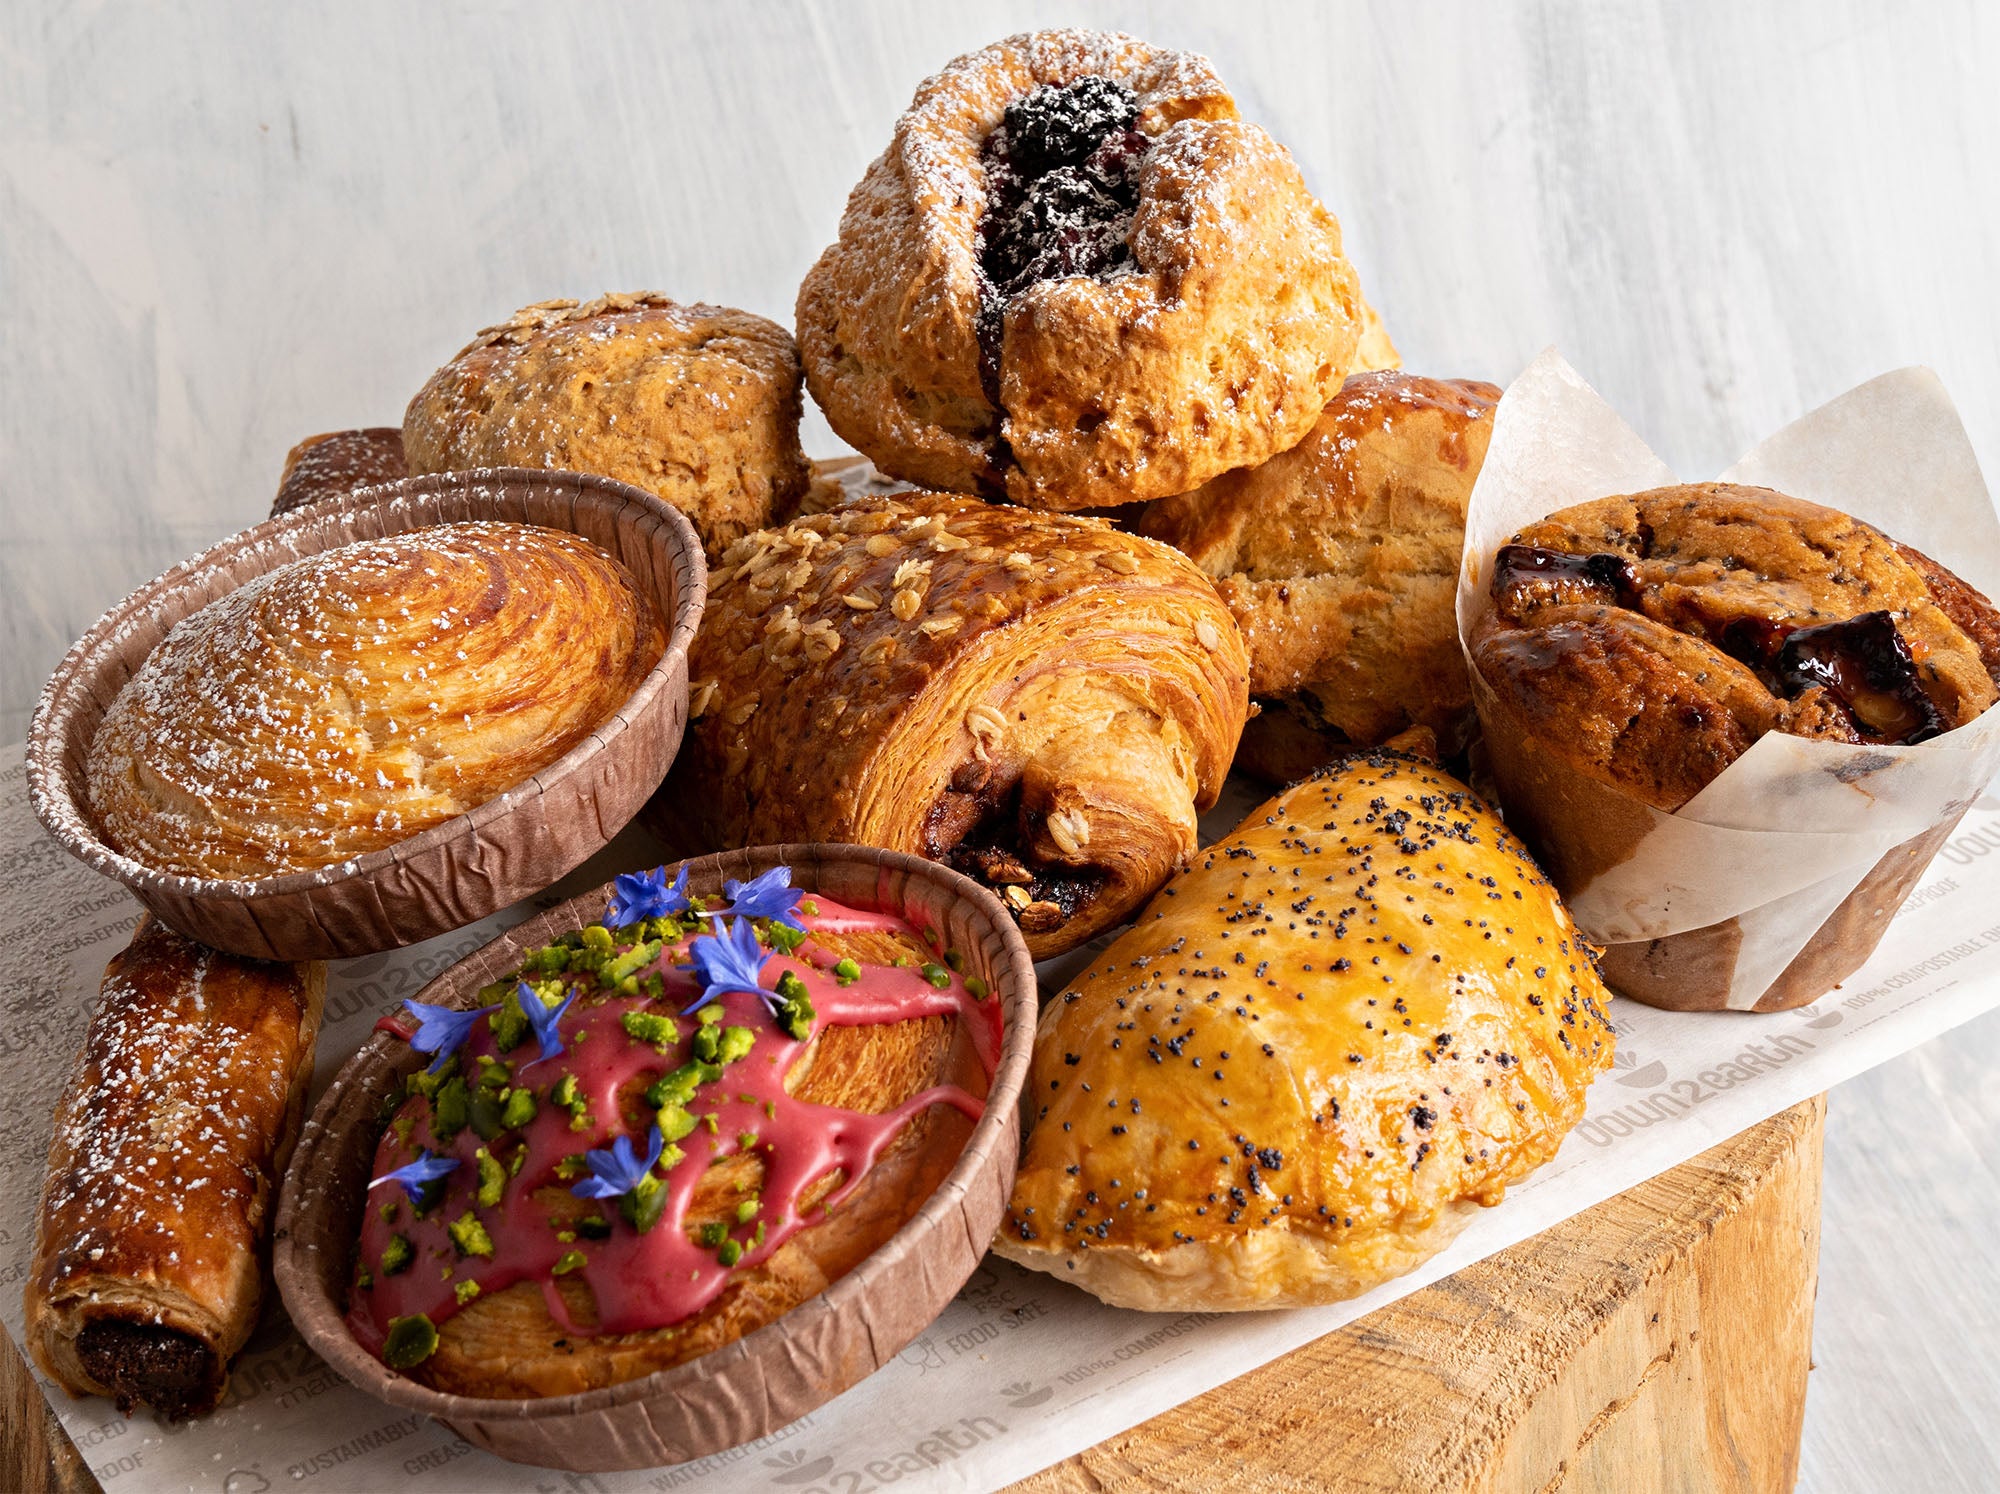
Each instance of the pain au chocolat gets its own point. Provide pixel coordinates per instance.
(1317, 1053)
(1038, 700)
(1339, 560)
(1077, 278)
(355, 697)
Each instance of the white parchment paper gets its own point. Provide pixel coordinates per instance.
(1782, 836)
(1022, 1370)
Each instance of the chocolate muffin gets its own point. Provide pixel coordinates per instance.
(1648, 640)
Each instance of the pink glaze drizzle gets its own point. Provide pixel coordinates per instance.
(651, 1280)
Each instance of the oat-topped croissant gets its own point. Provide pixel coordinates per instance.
(1039, 700)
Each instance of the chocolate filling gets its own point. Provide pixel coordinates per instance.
(1062, 184)
(1525, 577)
(173, 1372)
(975, 828)
(1866, 664)
(1863, 662)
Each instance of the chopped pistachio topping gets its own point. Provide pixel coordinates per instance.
(597, 937)
(977, 988)
(708, 1043)
(364, 1278)
(494, 1073)
(451, 1109)
(411, 1341)
(568, 1261)
(651, 1027)
(709, 1015)
(783, 937)
(488, 1113)
(643, 1205)
(938, 976)
(564, 1094)
(396, 1255)
(674, 1121)
(492, 1180)
(510, 1023)
(736, 1043)
(730, 1253)
(746, 1211)
(956, 959)
(519, 1109)
(846, 973)
(465, 1291)
(594, 1227)
(469, 1236)
(712, 1234)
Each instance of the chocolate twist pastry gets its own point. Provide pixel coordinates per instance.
(1076, 277)
(355, 697)
(1042, 702)
(163, 1172)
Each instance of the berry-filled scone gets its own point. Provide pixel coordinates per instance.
(1078, 279)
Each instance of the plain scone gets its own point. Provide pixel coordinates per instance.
(1339, 561)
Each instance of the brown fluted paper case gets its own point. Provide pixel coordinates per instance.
(455, 873)
(1778, 879)
(769, 1378)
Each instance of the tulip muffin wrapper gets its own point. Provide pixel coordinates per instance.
(1797, 840)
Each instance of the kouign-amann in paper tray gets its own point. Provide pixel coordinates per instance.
(1775, 881)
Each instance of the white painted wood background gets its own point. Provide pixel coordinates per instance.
(225, 226)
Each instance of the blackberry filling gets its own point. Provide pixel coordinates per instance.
(1062, 184)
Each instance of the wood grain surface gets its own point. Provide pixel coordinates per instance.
(1561, 1365)
(227, 226)
(1659, 1341)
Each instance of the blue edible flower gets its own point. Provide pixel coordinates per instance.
(543, 1019)
(442, 1029)
(641, 895)
(771, 896)
(617, 1170)
(730, 961)
(418, 1175)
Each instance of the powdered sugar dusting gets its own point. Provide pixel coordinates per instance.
(355, 697)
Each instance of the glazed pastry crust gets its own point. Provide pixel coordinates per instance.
(335, 463)
(919, 671)
(163, 1171)
(1239, 323)
(1339, 561)
(1645, 695)
(698, 404)
(355, 697)
(505, 1345)
(1354, 1019)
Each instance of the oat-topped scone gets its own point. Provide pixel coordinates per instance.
(699, 404)
(1076, 277)
(1039, 700)
(1648, 640)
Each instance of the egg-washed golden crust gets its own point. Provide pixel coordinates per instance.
(699, 404)
(335, 463)
(506, 1345)
(1358, 1016)
(1041, 700)
(353, 698)
(1240, 320)
(1339, 560)
(163, 1171)
(1657, 682)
